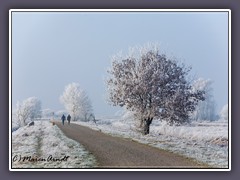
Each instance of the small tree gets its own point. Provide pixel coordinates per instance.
(76, 102)
(224, 113)
(48, 113)
(205, 110)
(28, 110)
(151, 86)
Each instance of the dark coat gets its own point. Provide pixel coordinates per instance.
(68, 117)
(63, 118)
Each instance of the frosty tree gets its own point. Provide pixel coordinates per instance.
(28, 110)
(205, 110)
(76, 102)
(48, 113)
(151, 86)
(224, 113)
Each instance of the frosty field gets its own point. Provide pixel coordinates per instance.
(47, 145)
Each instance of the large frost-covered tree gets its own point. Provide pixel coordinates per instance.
(28, 110)
(205, 110)
(151, 86)
(76, 102)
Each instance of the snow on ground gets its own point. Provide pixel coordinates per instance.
(43, 145)
(206, 142)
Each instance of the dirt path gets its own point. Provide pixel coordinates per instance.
(119, 152)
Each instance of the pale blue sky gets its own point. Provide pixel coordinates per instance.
(53, 49)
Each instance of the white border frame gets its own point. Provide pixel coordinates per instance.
(108, 11)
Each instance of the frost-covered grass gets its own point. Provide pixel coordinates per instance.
(43, 141)
(206, 142)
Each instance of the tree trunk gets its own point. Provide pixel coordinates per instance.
(146, 126)
(141, 123)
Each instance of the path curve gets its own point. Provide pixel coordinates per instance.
(116, 152)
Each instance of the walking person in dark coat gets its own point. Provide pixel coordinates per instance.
(69, 118)
(63, 119)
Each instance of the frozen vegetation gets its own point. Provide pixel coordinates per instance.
(26, 111)
(76, 102)
(152, 86)
(43, 145)
(206, 142)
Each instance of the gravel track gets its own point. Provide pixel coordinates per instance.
(116, 152)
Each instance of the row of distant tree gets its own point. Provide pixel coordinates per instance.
(75, 100)
(146, 83)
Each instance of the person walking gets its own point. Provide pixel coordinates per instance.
(63, 119)
(69, 119)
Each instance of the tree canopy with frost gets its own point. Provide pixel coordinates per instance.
(76, 102)
(151, 86)
(28, 110)
(205, 110)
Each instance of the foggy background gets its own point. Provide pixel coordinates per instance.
(52, 49)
